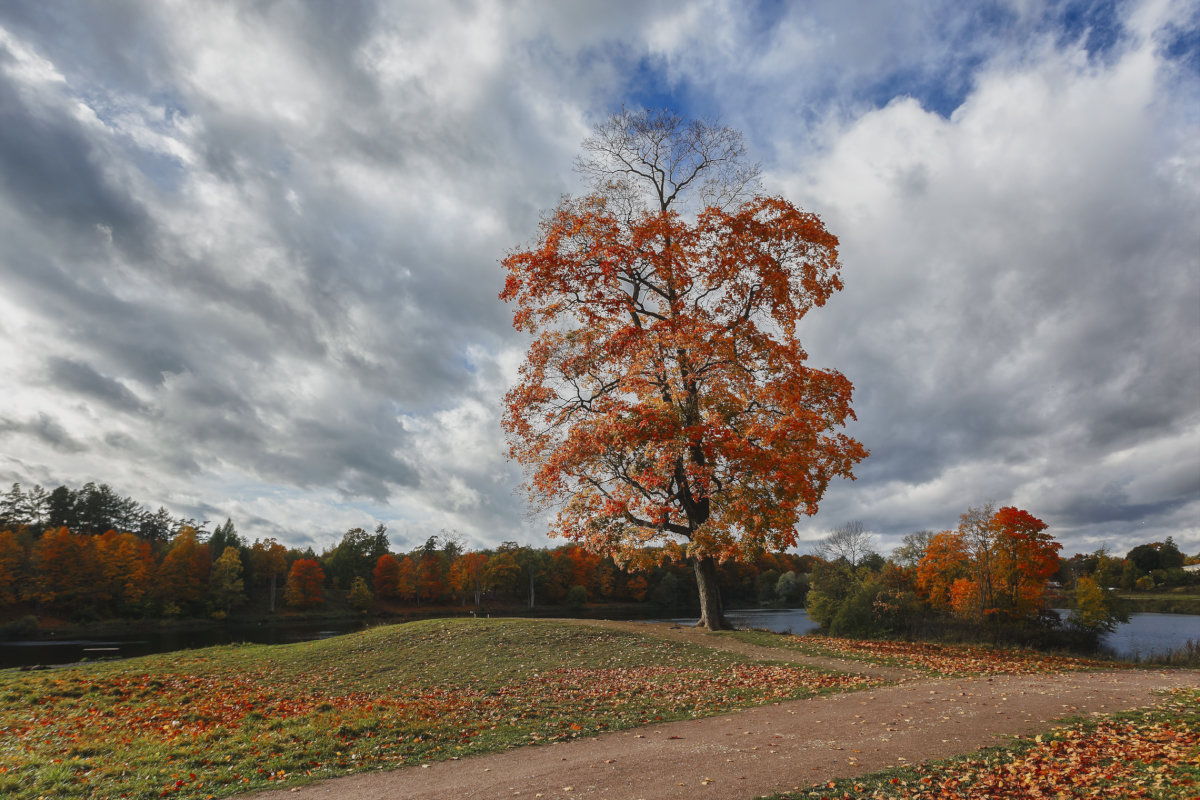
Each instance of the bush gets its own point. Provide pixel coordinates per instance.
(22, 628)
(831, 584)
(854, 615)
(1186, 656)
(1095, 609)
(668, 594)
(764, 586)
(790, 589)
(577, 597)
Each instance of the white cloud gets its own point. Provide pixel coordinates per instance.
(1018, 284)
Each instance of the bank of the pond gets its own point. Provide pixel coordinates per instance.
(1145, 635)
(1163, 602)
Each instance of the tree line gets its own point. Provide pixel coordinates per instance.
(56, 559)
(998, 571)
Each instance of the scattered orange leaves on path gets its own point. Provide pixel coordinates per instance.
(1153, 755)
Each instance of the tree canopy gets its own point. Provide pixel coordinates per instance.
(666, 396)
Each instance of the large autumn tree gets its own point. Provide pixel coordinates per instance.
(665, 398)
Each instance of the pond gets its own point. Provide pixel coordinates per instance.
(1146, 634)
(1142, 636)
(68, 651)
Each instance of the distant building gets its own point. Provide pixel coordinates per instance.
(1191, 568)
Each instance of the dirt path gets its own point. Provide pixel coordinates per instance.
(755, 752)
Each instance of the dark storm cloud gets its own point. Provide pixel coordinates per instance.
(211, 347)
(45, 429)
(365, 454)
(55, 173)
(82, 378)
(1112, 505)
(144, 341)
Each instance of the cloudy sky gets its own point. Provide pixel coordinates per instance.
(249, 251)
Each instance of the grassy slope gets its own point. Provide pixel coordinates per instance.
(224, 720)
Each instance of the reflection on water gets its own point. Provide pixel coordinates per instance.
(779, 620)
(782, 620)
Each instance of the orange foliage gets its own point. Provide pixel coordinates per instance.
(666, 395)
(126, 564)
(269, 558)
(406, 584)
(430, 584)
(386, 577)
(502, 573)
(183, 574)
(583, 568)
(945, 561)
(1026, 557)
(305, 584)
(12, 556)
(964, 598)
(64, 566)
(994, 563)
(466, 576)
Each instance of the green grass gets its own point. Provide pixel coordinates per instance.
(1171, 601)
(1150, 753)
(216, 722)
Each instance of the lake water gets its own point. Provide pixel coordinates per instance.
(1153, 633)
(69, 651)
(1142, 635)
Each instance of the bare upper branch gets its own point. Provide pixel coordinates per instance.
(649, 159)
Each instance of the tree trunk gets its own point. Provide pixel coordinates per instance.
(711, 614)
(272, 592)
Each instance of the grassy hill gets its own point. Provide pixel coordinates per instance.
(224, 720)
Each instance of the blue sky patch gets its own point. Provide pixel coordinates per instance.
(1096, 22)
